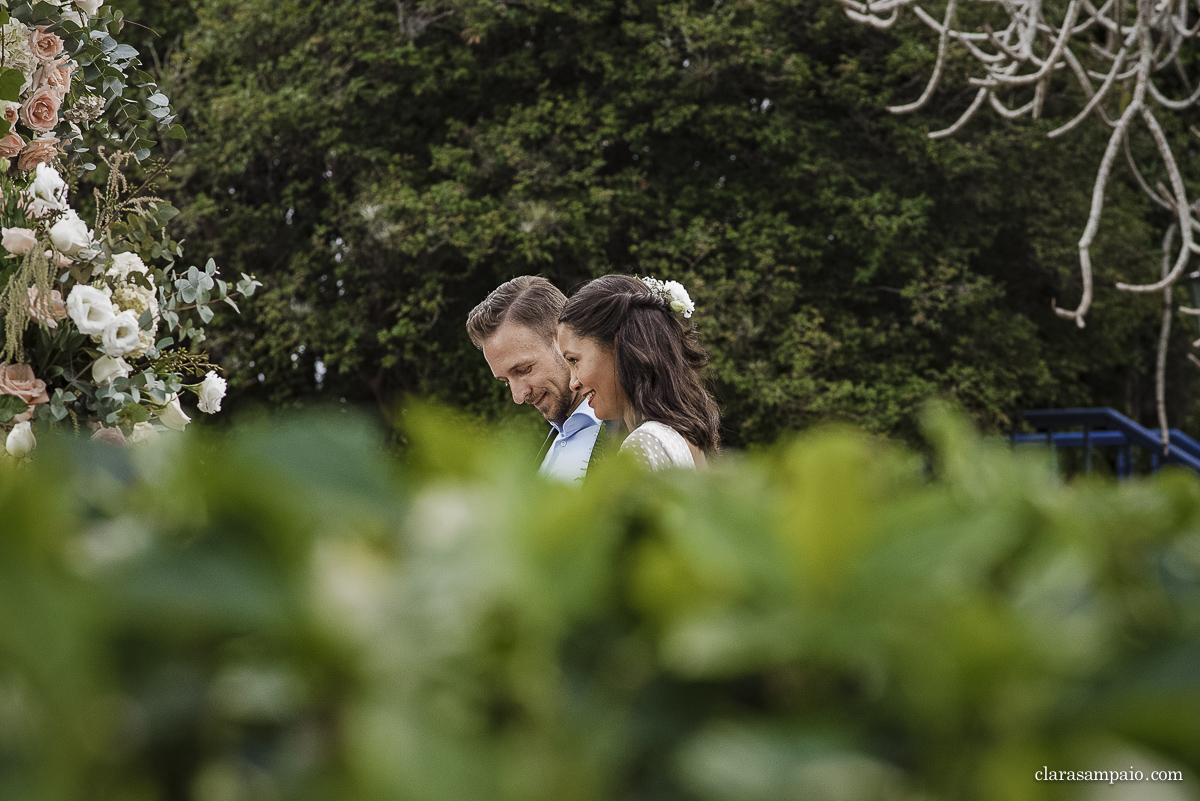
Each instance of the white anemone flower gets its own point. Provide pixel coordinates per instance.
(90, 309)
(120, 336)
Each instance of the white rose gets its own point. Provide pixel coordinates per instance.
(75, 16)
(125, 263)
(70, 234)
(681, 302)
(121, 334)
(89, 7)
(18, 241)
(91, 309)
(172, 415)
(143, 432)
(211, 393)
(21, 441)
(107, 368)
(49, 185)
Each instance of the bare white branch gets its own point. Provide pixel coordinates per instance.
(1096, 98)
(937, 67)
(980, 96)
(1164, 339)
(1181, 206)
(1096, 45)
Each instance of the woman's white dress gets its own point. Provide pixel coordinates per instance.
(659, 446)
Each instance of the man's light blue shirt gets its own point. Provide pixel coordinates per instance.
(569, 454)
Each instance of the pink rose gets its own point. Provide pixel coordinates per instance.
(18, 241)
(39, 150)
(11, 111)
(111, 436)
(45, 46)
(48, 314)
(18, 379)
(11, 145)
(40, 109)
(58, 259)
(54, 76)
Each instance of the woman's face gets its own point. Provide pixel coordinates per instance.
(593, 373)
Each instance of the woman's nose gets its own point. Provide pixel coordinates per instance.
(575, 385)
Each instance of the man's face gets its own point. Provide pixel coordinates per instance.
(533, 369)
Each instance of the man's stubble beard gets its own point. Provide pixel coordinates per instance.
(563, 407)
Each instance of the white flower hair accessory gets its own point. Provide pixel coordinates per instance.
(673, 292)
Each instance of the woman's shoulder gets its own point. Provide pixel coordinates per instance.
(659, 446)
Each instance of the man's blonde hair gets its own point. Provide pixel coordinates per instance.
(527, 300)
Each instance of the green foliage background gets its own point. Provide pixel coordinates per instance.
(382, 165)
(288, 613)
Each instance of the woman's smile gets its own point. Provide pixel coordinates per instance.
(593, 373)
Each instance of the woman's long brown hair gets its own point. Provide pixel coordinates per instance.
(658, 356)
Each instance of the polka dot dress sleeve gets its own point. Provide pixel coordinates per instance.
(647, 449)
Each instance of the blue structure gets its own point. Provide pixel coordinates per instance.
(1108, 428)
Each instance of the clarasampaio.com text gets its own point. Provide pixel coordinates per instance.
(1110, 776)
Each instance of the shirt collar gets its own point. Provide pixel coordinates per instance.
(581, 418)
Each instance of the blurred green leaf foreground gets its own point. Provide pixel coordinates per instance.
(288, 612)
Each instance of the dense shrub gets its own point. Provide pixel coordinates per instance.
(382, 176)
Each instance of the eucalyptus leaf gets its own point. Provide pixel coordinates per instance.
(10, 407)
(11, 81)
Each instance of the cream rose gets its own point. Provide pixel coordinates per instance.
(36, 152)
(47, 313)
(20, 441)
(19, 380)
(18, 241)
(46, 47)
(90, 309)
(40, 109)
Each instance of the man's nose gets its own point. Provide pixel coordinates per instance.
(520, 392)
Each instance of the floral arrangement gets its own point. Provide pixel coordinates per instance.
(99, 323)
(673, 292)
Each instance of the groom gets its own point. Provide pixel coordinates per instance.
(514, 327)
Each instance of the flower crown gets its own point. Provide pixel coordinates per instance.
(673, 293)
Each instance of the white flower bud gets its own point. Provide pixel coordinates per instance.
(172, 415)
(21, 441)
(107, 368)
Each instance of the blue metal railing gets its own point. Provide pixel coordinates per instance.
(1108, 428)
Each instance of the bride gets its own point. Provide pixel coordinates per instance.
(633, 358)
